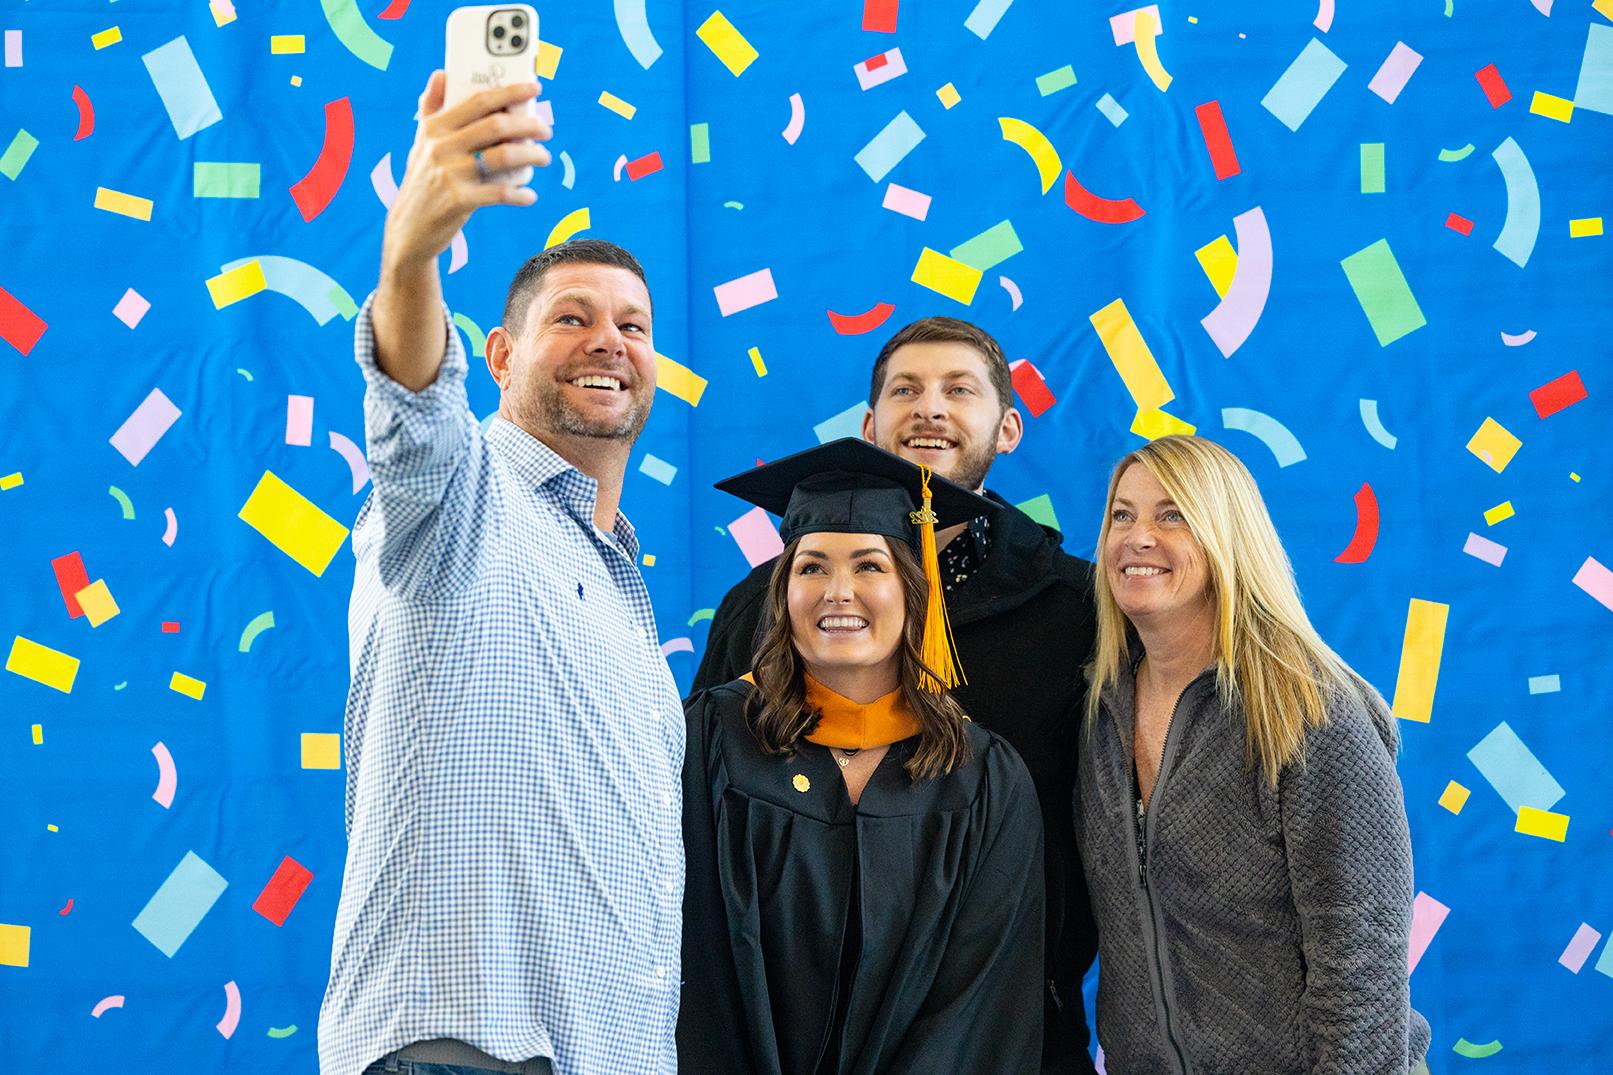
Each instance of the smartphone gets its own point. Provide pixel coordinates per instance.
(492, 45)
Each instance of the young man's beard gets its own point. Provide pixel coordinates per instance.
(547, 408)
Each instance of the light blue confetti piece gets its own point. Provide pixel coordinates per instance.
(1545, 684)
(1053, 81)
(990, 248)
(1521, 227)
(179, 906)
(1112, 111)
(1604, 962)
(634, 25)
(182, 87)
(887, 148)
(657, 468)
(305, 285)
(1303, 85)
(848, 423)
(1515, 773)
(984, 18)
(1595, 90)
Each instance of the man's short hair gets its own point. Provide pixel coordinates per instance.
(948, 330)
(575, 251)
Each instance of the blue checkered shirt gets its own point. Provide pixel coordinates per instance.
(514, 740)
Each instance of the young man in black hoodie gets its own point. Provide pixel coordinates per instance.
(1021, 610)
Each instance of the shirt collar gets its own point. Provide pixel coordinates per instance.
(539, 465)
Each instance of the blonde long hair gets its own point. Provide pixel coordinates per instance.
(1270, 662)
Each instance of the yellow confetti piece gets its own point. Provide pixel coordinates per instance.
(52, 828)
(1496, 514)
(948, 95)
(285, 44)
(14, 945)
(293, 524)
(189, 686)
(39, 735)
(239, 283)
(1131, 357)
(110, 36)
(1572, 476)
(756, 362)
(1147, 45)
(1219, 261)
(42, 664)
(617, 105)
(1494, 444)
(649, 559)
(128, 205)
(1585, 227)
(1420, 652)
(1542, 823)
(1454, 797)
(321, 750)
(97, 602)
(726, 43)
(1154, 424)
(678, 379)
(296, 80)
(946, 276)
(567, 226)
(1557, 108)
(547, 60)
(222, 16)
(1604, 8)
(10, 481)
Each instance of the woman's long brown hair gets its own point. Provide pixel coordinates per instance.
(778, 712)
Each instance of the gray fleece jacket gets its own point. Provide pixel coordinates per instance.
(1266, 931)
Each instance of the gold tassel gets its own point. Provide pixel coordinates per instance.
(938, 651)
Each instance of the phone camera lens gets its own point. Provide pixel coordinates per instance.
(498, 33)
(517, 20)
(516, 42)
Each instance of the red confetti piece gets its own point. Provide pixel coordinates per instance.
(874, 63)
(1553, 396)
(879, 16)
(1494, 87)
(648, 164)
(857, 324)
(314, 191)
(71, 578)
(1366, 528)
(1217, 139)
(283, 891)
(394, 10)
(1459, 224)
(170, 627)
(19, 326)
(86, 114)
(1031, 389)
(1103, 210)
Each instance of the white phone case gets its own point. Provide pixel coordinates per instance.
(475, 61)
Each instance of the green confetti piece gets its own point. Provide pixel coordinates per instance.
(123, 501)
(1451, 156)
(1463, 1047)
(282, 1031)
(260, 623)
(991, 247)
(699, 143)
(16, 155)
(224, 179)
(703, 614)
(356, 36)
(1053, 81)
(343, 302)
(478, 338)
(1371, 167)
(1381, 289)
(1040, 508)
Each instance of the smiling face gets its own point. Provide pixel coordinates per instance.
(584, 363)
(1155, 567)
(846, 605)
(937, 408)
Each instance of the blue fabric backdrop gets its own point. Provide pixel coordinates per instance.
(1436, 256)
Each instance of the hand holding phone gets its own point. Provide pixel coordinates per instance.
(491, 46)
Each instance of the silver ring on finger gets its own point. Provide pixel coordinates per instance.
(481, 165)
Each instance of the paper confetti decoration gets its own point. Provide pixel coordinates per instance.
(1558, 394)
(1301, 88)
(141, 431)
(726, 43)
(321, 750)
(1454, 797)
(179, 904)
(889, 147)
(1494, 444)
(283, 890)
(745, 292)
(182, 87)
(1545, 684)
(189, 686)
(910, 203)
(14, 944)
(679, 380)
(1381, 289)
(1427, 915)
(1596, 580)
(1395, 72)
(1542, 823)
(1420, 652)
(1514, 772)
(1131, 357)
(1579, 948)
(293, 524)
(946, 276)
(757, 537)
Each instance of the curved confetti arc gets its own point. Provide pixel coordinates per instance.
(167, 776)
(355, 34)
(1374, 424)
(573, 222)
(857, 324)
(1234, 317)
(1013, 291)
(1147, 44)
(1365, 538)
(68, 908)
(634, 26)
(1544, 7)
(394, 10)
(1463, 1047)
(172, 532)
(461, 253)
(570, 175)
(1324, 16)
(1272, 433)
(314, 191)
(616, 169)
(1102, 210)
(232, 994)
(676, 645)
(473, 332)
(1034, 143)
(123, 501)
(1522, 225)
(356, 462)
(792, 129)
(282, 1031)
(1451, 156)
(244, 373)
(702, 614)
(260, 623)
(1519, 340)
(385, 186)
(106, 1004)
(733, 205)
(86, 114)
(300, 282)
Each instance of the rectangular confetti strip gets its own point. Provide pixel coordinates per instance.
(285, 44)
(1427, 915)
(293, 524)
(1579, 948)
(130, 205)
(1494, 444)
(1500, 513)
(10, 481)
(1396, 71)
(17, 153)
(1131, 357)
(745, 292)
(43, 665)
(236, 284)
(141, 431)
(1421, 648)
(615, 104)
(648, 164)
(848, 423)
(1054, 81)
(1371, 167)
(14, 939)
(878, 70)
(97, 602)
(283, 890)
(1596, 580)
(657, 469)
(879, 16)
(1031, 387)
(300, 420)
(679, 380)
(110, 36)
(911, 203)
(1515, 773)
(189, 686)
(1381, 289)
(990, 248)
(1217, 139)
(985, 17)
(1585, 227)
(1542, 823)
(131, 308)
(757, 537)
(1555, 395)
(1482, 548)
(1494, 87)
(179, 905)
(225, 179)
(1302, 87)
(1459, 224)
(182, 87)
(547, 61)
(726, 43)
(946, 276)
(1594, 91)
(13, 48)
(321, 750)
(19, 326)
(1154, 424)
(1604, 962)
(756, 362)
(888, 148)
(1117, 115)
(71, 577)
(1545, 684)
(699, 143)
(1552, 107)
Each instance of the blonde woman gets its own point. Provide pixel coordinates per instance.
(1238, 811)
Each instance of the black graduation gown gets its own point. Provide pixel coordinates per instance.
(945, 924)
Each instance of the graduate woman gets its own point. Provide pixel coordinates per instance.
(864, 890)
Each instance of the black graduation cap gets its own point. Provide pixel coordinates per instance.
(849, 486)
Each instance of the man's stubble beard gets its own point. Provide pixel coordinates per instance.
(546, 408)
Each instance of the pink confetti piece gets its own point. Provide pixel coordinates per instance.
(13, 48)
(1235, 316)
(792, 130)
(1596, 580)
(1124, 25)
(745, 292)
(232, 1009)
(1396, 71)
(106, 1004)
(1482, 548)
(677, 645)
(756, 537)
(172, 532)
(131, 308)
(1427, 915)
(1324, 16)
(899, 199)
(878, 70)
(300, 420)
(1580, 948)
(141, 431)
(167, 778)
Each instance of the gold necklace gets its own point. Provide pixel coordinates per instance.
(846, 756)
